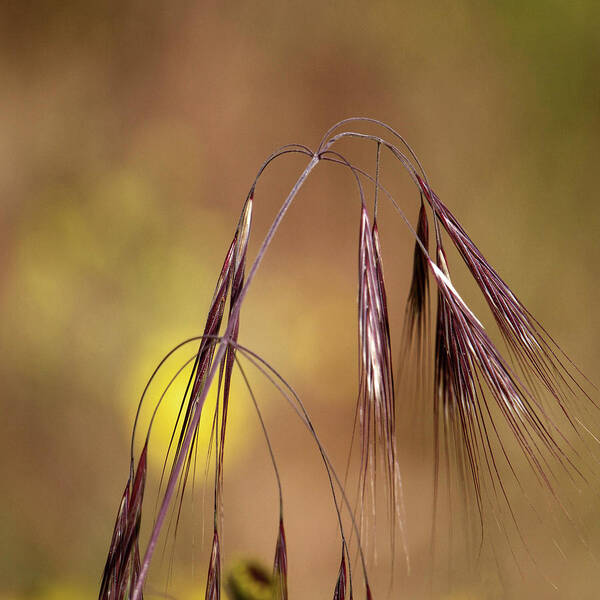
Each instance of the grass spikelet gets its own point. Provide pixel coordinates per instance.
(213, 580)
(341, 586)
(417, 306)
(237, 283)
(536, 352)
(123, 563)
(280, 565)
(376, 402)
(229, 284)
(468, 368)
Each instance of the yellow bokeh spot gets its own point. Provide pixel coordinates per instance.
(172, 380)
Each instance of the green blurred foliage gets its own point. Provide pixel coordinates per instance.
(130, 134)
(249, 580)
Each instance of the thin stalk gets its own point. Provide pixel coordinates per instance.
(265, 433)
(403, 159)
(377, 165)
(175, 472)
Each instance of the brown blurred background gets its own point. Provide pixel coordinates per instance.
(129, 135)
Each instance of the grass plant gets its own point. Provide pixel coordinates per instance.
(484, 403)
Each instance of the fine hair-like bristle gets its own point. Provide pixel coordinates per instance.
(536, 352)
(466, 364)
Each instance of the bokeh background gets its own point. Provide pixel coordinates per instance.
(130, 133)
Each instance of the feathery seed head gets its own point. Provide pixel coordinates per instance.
(480, 403)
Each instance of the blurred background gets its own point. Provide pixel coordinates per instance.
(130, 134)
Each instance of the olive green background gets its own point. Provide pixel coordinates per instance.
(129, 135)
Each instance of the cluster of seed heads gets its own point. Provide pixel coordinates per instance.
(478, 393)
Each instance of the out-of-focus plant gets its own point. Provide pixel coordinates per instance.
(249, 580)
(483, 402)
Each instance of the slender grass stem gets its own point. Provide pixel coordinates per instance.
(199, 403)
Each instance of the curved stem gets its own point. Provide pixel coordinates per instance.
(420, 182)
(299, 408)
(234, 314)
(379, 124)
(265, 433)
(154, 373)
(199, 403)
(355, 169)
